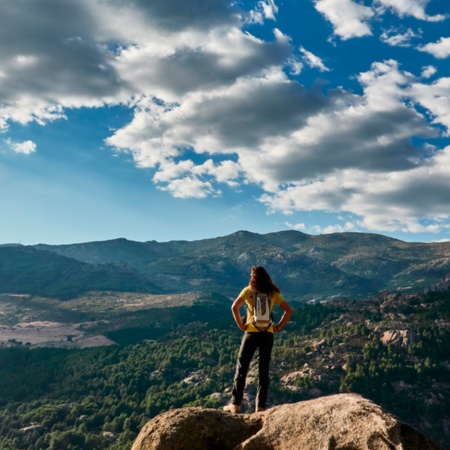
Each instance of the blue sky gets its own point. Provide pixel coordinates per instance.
(177, 119)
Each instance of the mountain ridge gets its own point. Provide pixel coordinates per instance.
(306, 266)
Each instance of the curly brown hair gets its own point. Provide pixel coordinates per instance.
(260, 281)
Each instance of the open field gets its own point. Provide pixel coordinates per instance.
(50, 334)
(39, 321)
(110, 302)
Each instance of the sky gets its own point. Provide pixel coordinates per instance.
(185, 120)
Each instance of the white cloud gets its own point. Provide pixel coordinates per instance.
(435, 97)
(296, 226)
(295, 66)
(225, 56)
(265, 10)
(428, 71)
(348, 18)
(270, 9)
(413, 8)
(39, 43)
(382, 201)
(101, 53)
(189, 187)
(343, 152)
(171, 171)
(224, 172)
(397, 38)
(336, 228)
(308, 152)
(313, 61)
(318, 229)
(379, 196)
(24, 148)
(185, 179)
(213, 106)
(439, 49)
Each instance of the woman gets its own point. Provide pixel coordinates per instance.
(255, 337)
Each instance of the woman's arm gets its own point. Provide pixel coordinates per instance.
(237, 315)
(286, 316)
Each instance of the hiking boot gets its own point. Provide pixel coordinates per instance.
(260, 409)
(232, 408)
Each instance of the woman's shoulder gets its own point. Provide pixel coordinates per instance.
(246, 292)
(277, 297)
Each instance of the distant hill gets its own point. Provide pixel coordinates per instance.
(305, 266)
(28, 270)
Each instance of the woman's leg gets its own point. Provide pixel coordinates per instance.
(265, 353)
(248, 347)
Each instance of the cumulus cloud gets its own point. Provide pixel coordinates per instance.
(349, 19)
(189, 187)
(213, 106)
(232, 120)
(227, 55)
(294, 65)
(379, 196)
(439, 49)
(413, 8)
(39, 44)
(179, 15)
(265, 10)
(435, 97)
(352, 19)
(381, 201)
(308, 151)
(398, 38)
(99, 53)
(25, 147)
(428, 71)
(371, 132)
(313, 60)
(177, 174)
(337, 228)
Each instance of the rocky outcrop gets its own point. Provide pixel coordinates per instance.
(400, 338)
(337, 422)
(197, 429)
(299, 381)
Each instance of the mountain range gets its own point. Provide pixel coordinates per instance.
(305, 266)
(158, 318)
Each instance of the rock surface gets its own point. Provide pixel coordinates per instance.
(400, 338)
(197, 429)
(337, 422)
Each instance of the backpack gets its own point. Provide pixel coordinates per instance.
(262, 317)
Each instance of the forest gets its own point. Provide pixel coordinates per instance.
(100, 398)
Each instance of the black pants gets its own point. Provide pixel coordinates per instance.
(250, 342)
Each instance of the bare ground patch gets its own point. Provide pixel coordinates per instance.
(49, 334)
(45, 322)
(119, 301)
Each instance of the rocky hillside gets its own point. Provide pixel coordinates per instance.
(305, 266)
(391, 349)
(345, 421)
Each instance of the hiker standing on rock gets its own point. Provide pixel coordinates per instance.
(260, 295)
